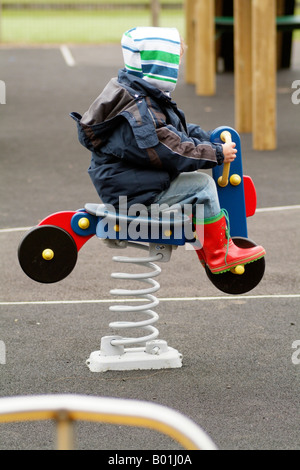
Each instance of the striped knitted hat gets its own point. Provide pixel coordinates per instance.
(153, 54)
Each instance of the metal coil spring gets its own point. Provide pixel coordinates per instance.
(146, 294)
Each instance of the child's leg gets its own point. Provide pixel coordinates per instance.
(198, 193)
(192, 189)
(217, 250)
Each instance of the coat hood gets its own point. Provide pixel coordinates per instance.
(153, 54)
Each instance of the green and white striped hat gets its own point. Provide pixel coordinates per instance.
(153, 54)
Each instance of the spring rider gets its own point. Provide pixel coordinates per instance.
(49, 251)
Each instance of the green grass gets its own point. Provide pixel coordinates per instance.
(78, 26)
(71, 26)
(82, 2)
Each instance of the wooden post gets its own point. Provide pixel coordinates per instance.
(264, 74)
(279, 12)
(205, 53)
(155, 12)
(190, 40)
(243, 65)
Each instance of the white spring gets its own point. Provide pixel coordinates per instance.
(146, 294)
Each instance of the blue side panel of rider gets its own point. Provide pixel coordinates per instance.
(232, 198)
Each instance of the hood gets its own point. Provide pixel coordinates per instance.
(153, 54)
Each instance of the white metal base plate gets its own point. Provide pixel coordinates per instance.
(160, 356)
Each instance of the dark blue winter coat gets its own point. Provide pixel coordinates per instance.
(140, 141)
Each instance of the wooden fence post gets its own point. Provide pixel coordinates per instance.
(155, 12)
(243, 65)
(205, 71)
(190, 40)
(264, 74)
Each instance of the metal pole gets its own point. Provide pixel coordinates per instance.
(65, 431)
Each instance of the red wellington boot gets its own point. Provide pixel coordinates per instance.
(218, 251)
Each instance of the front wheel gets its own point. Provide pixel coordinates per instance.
(235, 284)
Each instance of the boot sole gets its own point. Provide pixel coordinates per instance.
(228, 267)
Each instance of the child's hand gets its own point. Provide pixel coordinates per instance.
(229, 152)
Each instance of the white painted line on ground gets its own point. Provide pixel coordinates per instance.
(279, 208)
(166, 299)
(264, 209)
(18, 229)
(66, 53)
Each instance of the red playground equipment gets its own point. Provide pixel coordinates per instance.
(48, 253)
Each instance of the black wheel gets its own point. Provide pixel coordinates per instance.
(47, 254)
(239, 284)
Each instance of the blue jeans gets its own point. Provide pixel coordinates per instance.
(194, 188)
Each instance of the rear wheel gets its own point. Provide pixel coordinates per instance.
(47, 254)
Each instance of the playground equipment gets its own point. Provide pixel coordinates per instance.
(48, 253)
(65, 410)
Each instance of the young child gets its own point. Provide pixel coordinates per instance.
(142, 147)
